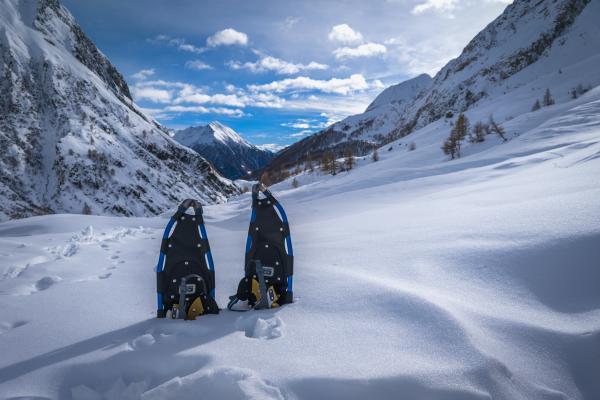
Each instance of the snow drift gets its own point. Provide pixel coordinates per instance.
(471, 279)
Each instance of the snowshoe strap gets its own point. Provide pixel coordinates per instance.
(203, 304)
(254, 290)
(187, 203)
(262, 286)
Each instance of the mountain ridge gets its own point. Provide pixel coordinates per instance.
(526, 41)
(229, 152)
(71, 138)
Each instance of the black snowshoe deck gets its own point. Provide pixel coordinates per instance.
(185, 271)
(269, 260)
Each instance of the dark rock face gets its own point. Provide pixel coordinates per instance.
(83, 48)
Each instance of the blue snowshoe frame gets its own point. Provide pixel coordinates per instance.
(268, 247)
(200, 259)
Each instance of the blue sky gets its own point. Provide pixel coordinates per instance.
(275, 70)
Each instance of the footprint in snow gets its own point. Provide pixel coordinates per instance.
(256, 327)
(218, 383)
(9, 326)
(46, 282)
(105, 276)
(114, 257)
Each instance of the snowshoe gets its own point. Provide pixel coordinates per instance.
(269, 261)
(185, 273)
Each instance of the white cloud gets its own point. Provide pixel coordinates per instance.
(230, 112)
(151, 94)
(343, 33)
(266, 100)
(179, 43)
(290, 22)
(435, 5)
(161, 83)
(337, 106)
(194, 95)
(181, 93)
(277, 65)
(227, 37)
(427, 55)
(198, 65)
(364, 50)
(235, 98)
(300, 134)
(157, 113)
(274, 147)
(377, 84)
(331, 118)
(297, 125)
(143, 74)
(306, 124)
(354, 83)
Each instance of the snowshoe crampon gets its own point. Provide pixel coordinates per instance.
(269, 261)
(185, 274)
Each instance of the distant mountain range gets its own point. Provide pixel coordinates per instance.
(552, 42)
(71, 138)
(233, 156)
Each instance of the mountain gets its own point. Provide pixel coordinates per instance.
(399, 95)
(530, 47)
(71, 138)
(359, 133)
(230, 153)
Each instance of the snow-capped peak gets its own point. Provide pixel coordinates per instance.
(402, 92)
(213, 133)
(225, 134)
(229, 152)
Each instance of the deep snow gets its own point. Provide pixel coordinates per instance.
(415, 278)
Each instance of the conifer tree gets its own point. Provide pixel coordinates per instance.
(452, 145)
(497, 129)
(477, 134)
(375, 156)
(333, 165)
(548, 99)
(308, 164)
(87, 210)
(460, 131)
(349, 160)
(325, 162)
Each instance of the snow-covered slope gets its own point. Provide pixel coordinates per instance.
(401, 94)
(414, 279)
(533, 45)
(230, 153)
(70, 135)
(358, 133)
